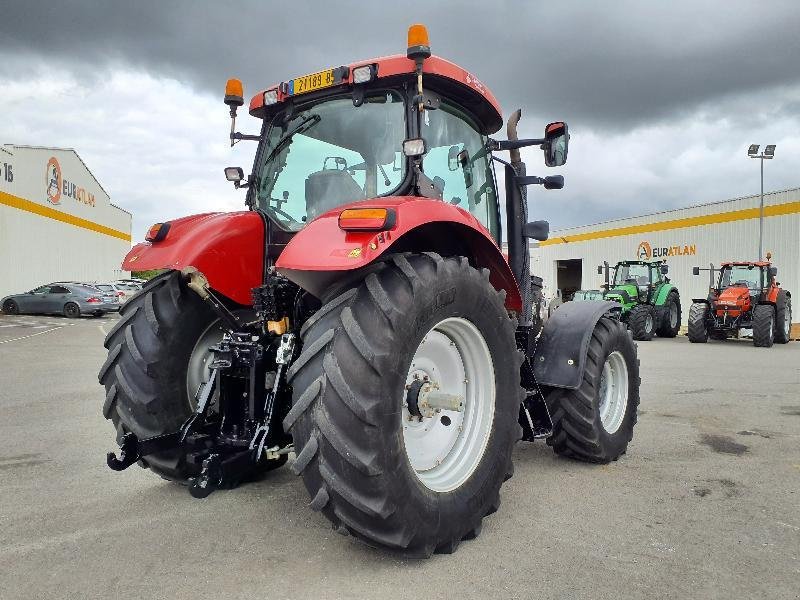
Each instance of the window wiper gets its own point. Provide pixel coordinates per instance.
(302, 126)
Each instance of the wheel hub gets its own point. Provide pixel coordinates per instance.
(448, 404)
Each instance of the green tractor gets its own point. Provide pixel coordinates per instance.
(650, 303)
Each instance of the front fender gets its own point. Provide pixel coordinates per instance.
(663, 292)
(228, 248)
(321, 254)
(560, 356)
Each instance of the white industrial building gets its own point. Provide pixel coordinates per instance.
(686, 237)
(57, 223)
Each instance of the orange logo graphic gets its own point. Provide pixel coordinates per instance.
(53, 180)
(644, 251)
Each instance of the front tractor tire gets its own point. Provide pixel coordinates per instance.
(783, 318)
(152, 362)
(594, 423)
(671, 322)
(641, 321)
(372, 464)
(697, 327)
(763, 325)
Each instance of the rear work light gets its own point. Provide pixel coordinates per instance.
(271, 97)
(363, 74)
(157, 232)
(367, 219)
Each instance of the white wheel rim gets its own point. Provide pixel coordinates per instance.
(613, 391)
(787, 321)
(673, 314)
(446, 448)
(648, 324)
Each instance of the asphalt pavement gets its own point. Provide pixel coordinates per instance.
(706, 504)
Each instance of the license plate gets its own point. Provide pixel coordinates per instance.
(310, 83)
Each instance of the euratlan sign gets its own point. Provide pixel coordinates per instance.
(646, 252)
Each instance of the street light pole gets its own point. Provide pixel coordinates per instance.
(761, 216)
(767, 154)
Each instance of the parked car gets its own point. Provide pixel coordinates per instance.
(588, 295)
(124, 291)
(68, 299)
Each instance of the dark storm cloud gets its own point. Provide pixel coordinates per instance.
(603, 65)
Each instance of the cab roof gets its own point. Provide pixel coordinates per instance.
(746, 263)
(438, 74)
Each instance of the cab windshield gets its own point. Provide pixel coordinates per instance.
(330, 154)
(632, 274)
(746, 275)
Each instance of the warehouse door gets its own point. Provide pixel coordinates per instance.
(569, 277)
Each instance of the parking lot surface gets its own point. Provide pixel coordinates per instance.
(706, 504)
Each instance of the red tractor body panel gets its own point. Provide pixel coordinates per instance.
(471, 89)
(228, 248)
(322, 248)
(733, 301)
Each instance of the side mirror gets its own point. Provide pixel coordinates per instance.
(773, 271)
(664, 269)
(599, 269)
(234, 174)
(695, 270)
(537, 230)
(556, 137)
(554, 182)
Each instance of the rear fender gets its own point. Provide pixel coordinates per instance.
(228, 248)
(321, 256)
(560, 356)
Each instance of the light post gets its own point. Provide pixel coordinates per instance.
(767, 154)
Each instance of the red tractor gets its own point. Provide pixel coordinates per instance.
(362, 315)
(745, 296)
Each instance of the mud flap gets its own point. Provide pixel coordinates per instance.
(560, 354)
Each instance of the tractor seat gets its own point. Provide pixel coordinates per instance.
(328, 189)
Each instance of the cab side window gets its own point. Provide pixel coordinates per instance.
(458, 164)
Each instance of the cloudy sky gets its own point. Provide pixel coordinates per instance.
(662, 98)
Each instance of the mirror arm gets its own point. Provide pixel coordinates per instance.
(497, 145)
(236, 136)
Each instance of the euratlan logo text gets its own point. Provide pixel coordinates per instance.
(646, 252)
(58, 187)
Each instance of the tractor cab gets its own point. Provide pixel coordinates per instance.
(367, 133)
(635, 280)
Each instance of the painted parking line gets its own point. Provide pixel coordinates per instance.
(25, 337)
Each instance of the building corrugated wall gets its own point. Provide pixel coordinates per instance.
(687, 237)
(56, 221)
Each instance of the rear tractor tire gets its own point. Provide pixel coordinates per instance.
(697, 328)
(157, 360)
(373, 465)
(763, 325)
(671, 323)
(641, 321)
(595, 422)
(783, 317)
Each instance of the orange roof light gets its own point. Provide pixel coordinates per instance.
(366, 219)
(419, 46)
(157, 232)
(234, 93)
